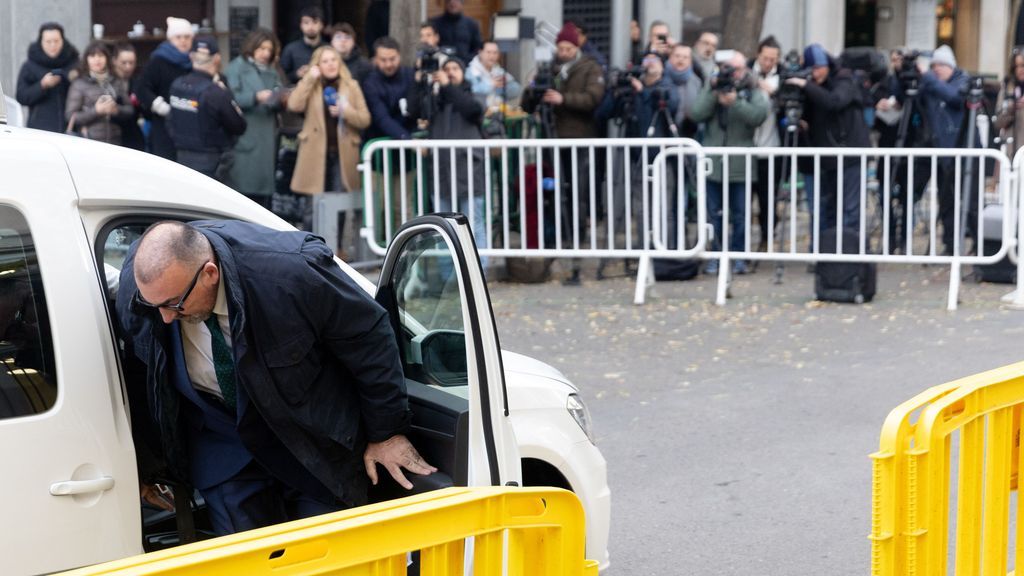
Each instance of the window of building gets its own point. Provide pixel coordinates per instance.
(700, 16)
(28, 377)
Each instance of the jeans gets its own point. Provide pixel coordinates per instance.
(737, 214)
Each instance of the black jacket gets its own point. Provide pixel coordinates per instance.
(835, 114)
(460, 32)
(457, 114)
(359, 67)
(316, 355)
(296, 55)
(383, 98)
(204, 116)
(157, 78)
(46, 107)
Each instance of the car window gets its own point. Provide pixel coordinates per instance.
(28, 378)
(115, 249)
(429, 302)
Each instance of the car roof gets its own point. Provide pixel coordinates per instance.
(108, 176)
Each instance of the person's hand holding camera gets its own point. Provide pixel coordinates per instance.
(553, 97)
(798, 82)
(727, 99)
(49, 80)
(638, 86)
(441, 77)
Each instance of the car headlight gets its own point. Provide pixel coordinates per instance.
(578, 410)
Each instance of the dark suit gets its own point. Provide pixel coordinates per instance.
(317, 371)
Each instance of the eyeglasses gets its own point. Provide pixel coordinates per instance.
(180, 305)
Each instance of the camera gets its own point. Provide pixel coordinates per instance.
(663, 38)
(543, 81)
(431, 59)
(909, 75)
(789, 97)
(725, 79)
(623, 78)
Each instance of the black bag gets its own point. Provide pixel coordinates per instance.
(674, 269)
(843, 281)
(1002, 272)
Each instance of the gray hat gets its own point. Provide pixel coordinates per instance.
(944, 55)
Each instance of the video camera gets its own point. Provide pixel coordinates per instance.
(432, 58)
(543, 81)
(789, 97)
(909, 75)
(725, 80)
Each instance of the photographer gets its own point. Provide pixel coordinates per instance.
(659, 40)
(455, 115)
(577, 87)
(943, 88)
(835, 119)
(733, 108)
(1010, 118)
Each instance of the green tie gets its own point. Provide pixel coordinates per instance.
(223, 363)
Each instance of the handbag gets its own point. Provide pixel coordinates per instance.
(70, 129)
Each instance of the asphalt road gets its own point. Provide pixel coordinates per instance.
(737, 437)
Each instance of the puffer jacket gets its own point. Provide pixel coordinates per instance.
(81, 105)
(732, 126)
(581, 84)
(46, 106)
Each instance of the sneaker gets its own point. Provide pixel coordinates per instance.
(711, 267)
(740, 267)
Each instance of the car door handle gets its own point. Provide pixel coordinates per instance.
(72, 487)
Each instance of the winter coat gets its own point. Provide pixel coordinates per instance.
(310, 166)
(46, 106)
(646, 109)
(943, 104)
(81, 105)
(295, 55)
(164, 67)
(687, 85)
(458, 115)
(835, 115)
(252, 172)
(1010, 119)
(460, 32)
(131, 133)
(384, 96)
(482, 81)
(315, 355)
(732, 126)
(582, 88)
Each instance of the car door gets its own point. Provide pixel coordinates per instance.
(70, 493)
(433, 287)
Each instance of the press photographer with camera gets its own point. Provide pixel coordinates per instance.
(569, 92)
(835, 118)
(659, 40)
(456, 115)
(732, 107)
(943, 90)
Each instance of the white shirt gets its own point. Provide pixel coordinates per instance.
(198, 347)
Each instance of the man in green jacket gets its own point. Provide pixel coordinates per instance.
(732, 109)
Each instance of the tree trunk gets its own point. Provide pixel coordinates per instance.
(742, 27)
(404, 26)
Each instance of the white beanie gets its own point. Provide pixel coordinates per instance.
(178, 27)
(944, 55)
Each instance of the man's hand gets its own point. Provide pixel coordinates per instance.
(638, 86)
(766, 87)
(263, 95)
(153, 494)
(553, 97)
(727, 98)
(634, 31)
(395, 453)
(441, 77)
(798, 82)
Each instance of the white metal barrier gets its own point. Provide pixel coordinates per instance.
(648, 198)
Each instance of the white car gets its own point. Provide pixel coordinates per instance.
(69, 208)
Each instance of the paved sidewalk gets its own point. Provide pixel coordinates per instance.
(737, 436)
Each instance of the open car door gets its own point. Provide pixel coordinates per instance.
(433, 288)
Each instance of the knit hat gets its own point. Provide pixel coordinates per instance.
(569, 33)
(814, 56)
(178, 27)
(456, 59)
(205, 43)
(944, 55)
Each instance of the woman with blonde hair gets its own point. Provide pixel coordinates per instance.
(335, 113)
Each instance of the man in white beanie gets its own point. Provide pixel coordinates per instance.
(941, 98)
(169, 61)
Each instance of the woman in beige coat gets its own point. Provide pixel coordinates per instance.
(335, 113)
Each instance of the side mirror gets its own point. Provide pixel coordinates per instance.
(442, 355)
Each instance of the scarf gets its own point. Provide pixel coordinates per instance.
(678, 78)
(101, 78)
(168, 52)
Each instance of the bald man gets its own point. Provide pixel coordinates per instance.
(273, 378)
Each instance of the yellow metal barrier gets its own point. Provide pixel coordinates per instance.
(545, 528)
(911, 478)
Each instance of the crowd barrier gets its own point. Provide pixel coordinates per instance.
(501, 531)
(952, 451)
(648, 198)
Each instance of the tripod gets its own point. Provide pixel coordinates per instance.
(974, 102)
(789, 140)
(662, 114)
